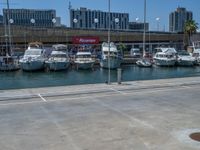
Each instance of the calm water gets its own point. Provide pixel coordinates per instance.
(20, 79)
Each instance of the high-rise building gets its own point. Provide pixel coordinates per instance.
(1, 19)
(95, 19)
(178, 18)
(138, 26)
(31, 17)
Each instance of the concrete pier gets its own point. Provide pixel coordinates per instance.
(139, 115)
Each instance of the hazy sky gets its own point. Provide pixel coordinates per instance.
(135, 8)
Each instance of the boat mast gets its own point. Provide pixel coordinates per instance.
(9, 33)
(108, 41)
(144, 33)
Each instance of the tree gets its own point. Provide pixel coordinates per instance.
(122, 48)
(190, 28)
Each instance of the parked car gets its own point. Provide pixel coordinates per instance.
(136, 53)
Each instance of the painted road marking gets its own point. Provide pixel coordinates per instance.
(42, 98)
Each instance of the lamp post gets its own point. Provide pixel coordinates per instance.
(32, 22)
(108, 41)
(75, 22)
(158, 21)
(137, 19)
(11, 21)
(96, 20)
(54, 21)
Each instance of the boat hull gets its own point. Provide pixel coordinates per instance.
(185, 63)
(56, 66)
(84, 65)
(9, 67)
(114, 63)
(143, 63)
(159, 62)
(32, 65)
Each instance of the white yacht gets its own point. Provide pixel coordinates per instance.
(165, 56)
(196, 52)
(185, 59)
(164, 59)
(84, 60)
(114, 61)
(59, 59)
(34, 57)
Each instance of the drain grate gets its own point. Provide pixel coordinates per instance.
(195, 136)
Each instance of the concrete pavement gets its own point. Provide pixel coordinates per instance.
(139, 115)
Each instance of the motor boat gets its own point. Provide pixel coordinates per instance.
(112, 60)
(34, 57)
(59, 59)
(84, 60)
(144, 62)
(164, 59)
(185, 59)
(196, 52)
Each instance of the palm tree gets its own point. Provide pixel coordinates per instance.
(190, 28)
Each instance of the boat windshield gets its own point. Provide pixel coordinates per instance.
(83, 56)
(59, 55)
(111, 53)
(31, 52)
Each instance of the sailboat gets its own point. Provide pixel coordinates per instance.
(7, 61)
(144, 62)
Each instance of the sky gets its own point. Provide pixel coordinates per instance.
(155, 8)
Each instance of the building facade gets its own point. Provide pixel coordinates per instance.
(178, 18)
(138, 26)
(1, 19)
(94, 19)
(31, 17)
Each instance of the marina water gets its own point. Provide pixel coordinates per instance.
(20, 79)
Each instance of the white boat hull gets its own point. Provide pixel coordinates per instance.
(56, 66)
(161, 62)
(84, 65)
(114, 63)
(185, 63)
(32, 65)
(143, 63)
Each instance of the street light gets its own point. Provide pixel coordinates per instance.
(75, 21)
(54, 21)
(117, 22)
(158, 21)
(137, 19)
(32, 22)
(96, 20)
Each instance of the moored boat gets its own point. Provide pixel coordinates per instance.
(110, 56)
(84, 60)
(34, 57)
(59, 59)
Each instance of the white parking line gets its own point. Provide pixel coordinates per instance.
(117, 91)
(42, 98)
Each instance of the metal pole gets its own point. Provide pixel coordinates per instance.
(108, 41)
(144, 34)
(9, 34)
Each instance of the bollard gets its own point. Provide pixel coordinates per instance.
(119, 75)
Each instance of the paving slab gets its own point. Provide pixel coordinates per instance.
(139, 115)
